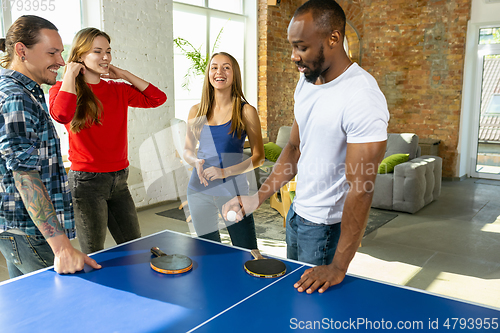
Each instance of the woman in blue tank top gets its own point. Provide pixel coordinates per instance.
(220, 124)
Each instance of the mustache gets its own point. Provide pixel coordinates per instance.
(301, 64)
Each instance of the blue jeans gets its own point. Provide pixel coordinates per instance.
(100, 201)
(310, 242)
(205, 210)
(25, 253)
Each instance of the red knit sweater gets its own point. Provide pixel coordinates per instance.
(104, 147)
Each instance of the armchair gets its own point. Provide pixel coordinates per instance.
(413, 184)
(283, 202)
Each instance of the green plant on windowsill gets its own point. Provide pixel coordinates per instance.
(199, 62)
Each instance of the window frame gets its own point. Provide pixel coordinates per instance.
(248, 17)
(494, 102)
(6, 22)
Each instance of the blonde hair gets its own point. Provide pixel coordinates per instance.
(205, 109)
(88, 106)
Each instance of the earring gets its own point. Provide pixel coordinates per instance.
(23, 58)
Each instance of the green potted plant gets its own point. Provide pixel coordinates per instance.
(199, 61)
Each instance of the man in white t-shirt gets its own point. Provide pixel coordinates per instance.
(337, 141)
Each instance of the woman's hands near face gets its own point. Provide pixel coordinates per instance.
(115, 73)
(74, 68)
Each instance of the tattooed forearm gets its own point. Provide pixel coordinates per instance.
(37, 202)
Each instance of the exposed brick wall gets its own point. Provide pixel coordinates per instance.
(278, 75)
(262, 65)
(414, 49)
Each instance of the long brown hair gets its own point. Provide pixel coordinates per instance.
(26, 30)
(88, 106)
(205, 109)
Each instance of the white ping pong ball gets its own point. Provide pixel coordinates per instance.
(231, 216)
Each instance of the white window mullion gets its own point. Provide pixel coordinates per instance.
(234, 40)
(6, 16)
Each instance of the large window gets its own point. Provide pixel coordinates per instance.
(494, 105)
(65, 15)
(200, 22)
(489, 36)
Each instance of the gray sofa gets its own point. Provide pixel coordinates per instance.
(413, 184)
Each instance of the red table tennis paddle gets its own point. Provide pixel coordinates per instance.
(262, 267)
(170, 263)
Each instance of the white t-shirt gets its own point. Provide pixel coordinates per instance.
(349, 109)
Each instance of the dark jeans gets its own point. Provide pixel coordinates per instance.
(100, 201)
(24, 253)
(205, 210)
(310, 242)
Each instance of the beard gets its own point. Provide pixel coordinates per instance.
(316, 69)
(49, 82)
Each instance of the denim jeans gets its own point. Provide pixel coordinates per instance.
(25, 253)
(100, 201)
(310, 242)
(205, 210)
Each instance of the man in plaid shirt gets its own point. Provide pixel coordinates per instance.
(36, 216)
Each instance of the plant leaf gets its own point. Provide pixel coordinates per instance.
(199, 62)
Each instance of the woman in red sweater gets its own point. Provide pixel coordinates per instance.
(94, 112)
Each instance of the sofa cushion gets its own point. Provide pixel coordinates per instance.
(404, 143)
(409, 186)
(382, 195)
(389, 163)
(283, 136)
(272, 151)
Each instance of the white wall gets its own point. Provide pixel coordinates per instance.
(141, 40)
(482, 14)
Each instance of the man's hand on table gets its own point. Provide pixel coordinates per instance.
(321, 277)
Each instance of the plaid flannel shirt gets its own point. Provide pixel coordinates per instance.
(29, 141)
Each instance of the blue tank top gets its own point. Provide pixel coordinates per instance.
(221, 149)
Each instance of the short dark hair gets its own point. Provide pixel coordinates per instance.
(327, 15)
(26, 29)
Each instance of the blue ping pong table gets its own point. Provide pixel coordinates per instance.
(217, 295)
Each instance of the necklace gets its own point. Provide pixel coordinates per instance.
(220, 121)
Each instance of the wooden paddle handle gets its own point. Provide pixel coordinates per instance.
(157, 252)
(256, 254)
